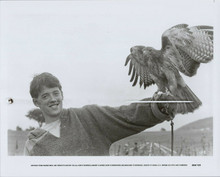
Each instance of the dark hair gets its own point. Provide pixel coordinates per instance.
(43, 79)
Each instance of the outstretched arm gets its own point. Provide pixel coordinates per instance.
(123, 121)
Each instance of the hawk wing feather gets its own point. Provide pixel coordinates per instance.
(133, 75)
(188, 47)
(138, 69)
(188, 63)
(135, 80)
(142, 75)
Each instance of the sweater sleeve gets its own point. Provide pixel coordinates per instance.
(119, 122)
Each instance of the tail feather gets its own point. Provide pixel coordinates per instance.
(186, 94)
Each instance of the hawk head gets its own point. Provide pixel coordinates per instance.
(150, 53)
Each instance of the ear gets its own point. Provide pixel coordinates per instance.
(35, 101)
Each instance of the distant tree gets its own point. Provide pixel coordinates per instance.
(18, 128)
(16, 145)
(162, 129)
(37, 115)
(29, 129)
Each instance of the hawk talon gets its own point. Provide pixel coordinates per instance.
(157, 95)
(160, 92)
(168, 93)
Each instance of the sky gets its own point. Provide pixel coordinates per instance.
(85, 44)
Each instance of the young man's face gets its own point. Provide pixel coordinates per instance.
(50, 102)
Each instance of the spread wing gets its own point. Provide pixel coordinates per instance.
(187, 47)
(139, 67)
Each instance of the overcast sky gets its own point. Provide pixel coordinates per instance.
(85, 45)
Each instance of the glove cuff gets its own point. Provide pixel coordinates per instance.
(158, 113)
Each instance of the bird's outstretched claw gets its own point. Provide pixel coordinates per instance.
(157, 95)
(168, 93)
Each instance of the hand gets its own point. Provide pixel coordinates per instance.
(166, 108)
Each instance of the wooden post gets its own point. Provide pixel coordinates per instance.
(172, 137)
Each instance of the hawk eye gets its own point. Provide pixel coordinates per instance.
(144, 51)
(150, 49)
(168, 47)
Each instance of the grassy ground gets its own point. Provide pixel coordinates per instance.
(187, 143)
(16, 142)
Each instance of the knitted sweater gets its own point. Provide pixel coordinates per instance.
(90, 130)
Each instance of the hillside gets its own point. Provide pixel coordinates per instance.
(195, 138)
(199, 125)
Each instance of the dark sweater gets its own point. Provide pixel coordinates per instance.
(92, 129)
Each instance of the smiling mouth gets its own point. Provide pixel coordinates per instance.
(54, 105)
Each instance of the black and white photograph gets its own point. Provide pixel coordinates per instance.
(129, 87)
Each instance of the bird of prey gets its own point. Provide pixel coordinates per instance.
(183, 49)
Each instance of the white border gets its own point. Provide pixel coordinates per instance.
(22, 166)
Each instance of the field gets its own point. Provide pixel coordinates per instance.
(195, 139)
(187, 143)
(16, 142)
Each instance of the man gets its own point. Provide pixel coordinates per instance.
(89, 130)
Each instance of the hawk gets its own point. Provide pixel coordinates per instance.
(183, 49)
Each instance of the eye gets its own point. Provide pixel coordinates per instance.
(56, 93)
(44, 96)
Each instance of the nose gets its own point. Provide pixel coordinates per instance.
(52, 98)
